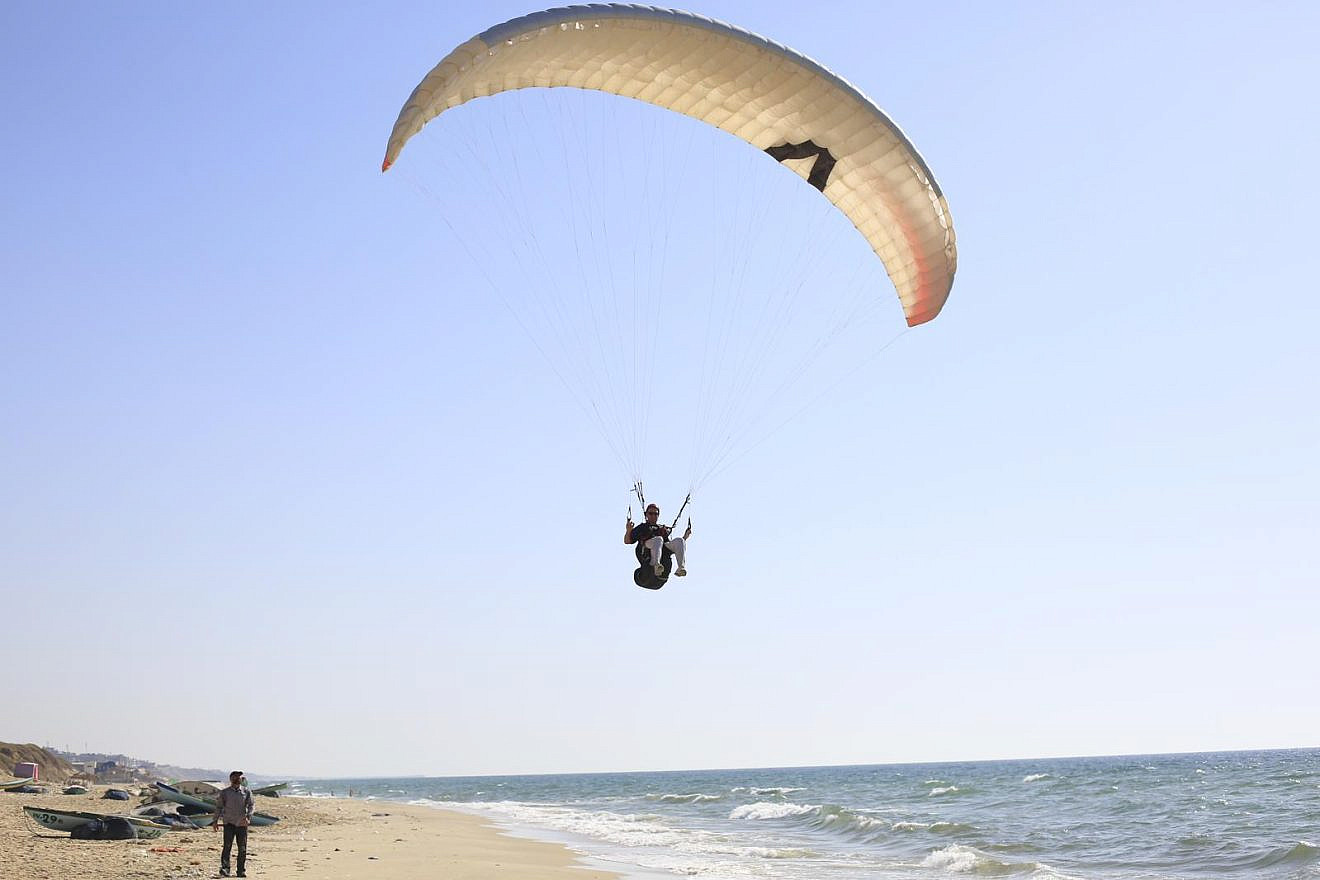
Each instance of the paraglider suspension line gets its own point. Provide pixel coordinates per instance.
(680, 511)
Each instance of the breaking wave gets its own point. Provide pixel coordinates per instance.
(1301, 853)
(1036, 777)
(694, 798)
(830, 818)
(910, 826)
(966, 860)
(771, 811)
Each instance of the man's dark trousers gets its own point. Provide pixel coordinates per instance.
(232, 833)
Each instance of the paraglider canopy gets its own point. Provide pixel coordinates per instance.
(779, 101)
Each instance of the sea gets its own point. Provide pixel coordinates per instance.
(1210, 815)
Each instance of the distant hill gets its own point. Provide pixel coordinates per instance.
(56, 765)
(53, 767)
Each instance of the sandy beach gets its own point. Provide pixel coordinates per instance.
(316, 838)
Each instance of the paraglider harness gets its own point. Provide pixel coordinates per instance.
(645, 576)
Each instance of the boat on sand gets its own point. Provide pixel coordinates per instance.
(207, 788)
(170, 793)
(67, 820)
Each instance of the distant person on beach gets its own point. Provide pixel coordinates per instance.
(233, 807)
(653, 537)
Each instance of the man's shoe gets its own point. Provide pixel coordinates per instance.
(682, 572)
(659, 570)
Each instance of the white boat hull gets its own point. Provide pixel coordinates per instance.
(67, 820)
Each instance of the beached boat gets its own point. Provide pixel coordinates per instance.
(170, 793)
(14, 782)
(204, 820)
(206, 788)
(67, 820)
(75, 789)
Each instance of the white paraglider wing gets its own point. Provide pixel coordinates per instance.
(777, 100)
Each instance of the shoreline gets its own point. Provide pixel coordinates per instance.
(317, 838)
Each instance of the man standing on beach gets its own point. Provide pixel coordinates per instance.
(233, 806)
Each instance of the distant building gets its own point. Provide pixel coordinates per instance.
(112, 771)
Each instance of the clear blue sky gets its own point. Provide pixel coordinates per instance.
(271, 496)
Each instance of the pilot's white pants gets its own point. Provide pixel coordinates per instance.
(677, 546)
